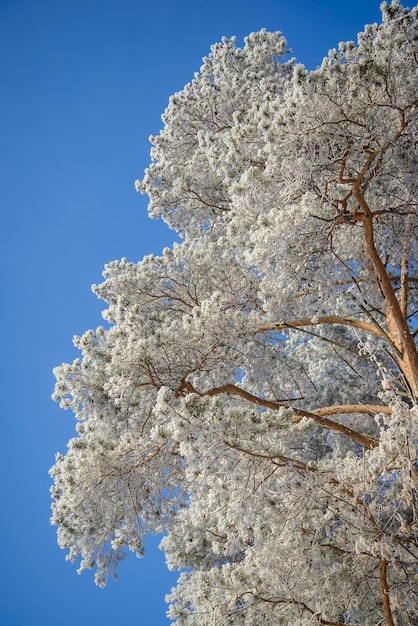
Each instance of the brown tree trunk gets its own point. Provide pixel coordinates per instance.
(384, 588)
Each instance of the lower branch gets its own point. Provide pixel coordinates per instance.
(365, 440)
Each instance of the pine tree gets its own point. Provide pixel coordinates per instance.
(254, 394)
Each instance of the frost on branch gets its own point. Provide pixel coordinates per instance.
(254, 396)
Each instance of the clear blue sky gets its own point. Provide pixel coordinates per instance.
(83, 84)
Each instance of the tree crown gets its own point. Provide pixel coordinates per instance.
(254, 393)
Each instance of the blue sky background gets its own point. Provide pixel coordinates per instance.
(83, 84)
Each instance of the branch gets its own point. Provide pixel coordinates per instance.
(365, 440)
(349, 281)
(295, 463)
(326, 319)
(208, 204)
(303, 606)
(372, 409)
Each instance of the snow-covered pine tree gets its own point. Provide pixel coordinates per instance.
(254, 394)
